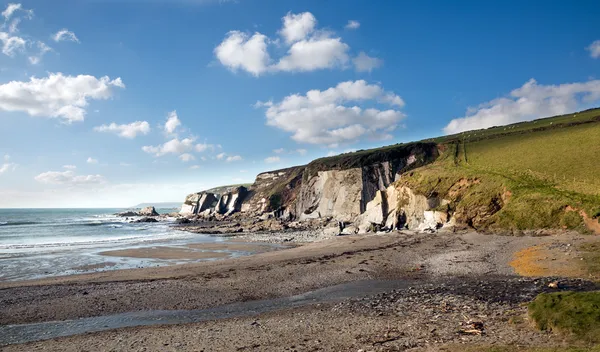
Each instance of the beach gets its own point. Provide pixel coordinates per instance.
(273, 282)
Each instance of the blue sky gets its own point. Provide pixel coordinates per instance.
(87, 87)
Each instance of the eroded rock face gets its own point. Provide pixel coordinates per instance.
(335, 193)
(417, 212)
(206, 203)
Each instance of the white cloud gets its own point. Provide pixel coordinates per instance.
(326, 117)
(279, 151)
(307, 49)
(233, 158)
(172, 122)
(57, 96)
(174, 146)
(243, 171)
(130, 130)
(124, 164)
(187, 157)
(352, 24)
(194, 167)
(365, 63)
(91, 160)
(68, 178)
(530, 101)
(238, 51)
(594, 49)
(301, 151)
(70, 167)
(221, 156)
(7, 167)
(202, 147)
(315, 53)
(12, 44)
(272, 159)
(297, 27)
(12, 8)
(65, 35)
(42, 50)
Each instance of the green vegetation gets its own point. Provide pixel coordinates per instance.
(225, 189)
(511, 182)
(576, 314)
(424, 153)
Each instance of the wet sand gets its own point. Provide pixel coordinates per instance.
(168, 253)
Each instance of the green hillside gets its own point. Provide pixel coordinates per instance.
(540, 174)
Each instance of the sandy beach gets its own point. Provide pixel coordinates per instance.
(423, 259)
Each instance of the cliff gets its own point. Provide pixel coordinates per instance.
(503, 178)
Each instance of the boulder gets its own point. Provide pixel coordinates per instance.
(374, 215)
(127, 213)
(148, 211)
(146, 220)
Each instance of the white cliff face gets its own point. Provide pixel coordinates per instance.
(205, 204)
(335, 193)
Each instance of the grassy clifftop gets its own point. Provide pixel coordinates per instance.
(542, 175)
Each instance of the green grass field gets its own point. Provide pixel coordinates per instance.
(539, 178)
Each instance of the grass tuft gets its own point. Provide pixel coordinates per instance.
(573, 313)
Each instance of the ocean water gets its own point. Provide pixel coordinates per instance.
(37, 243)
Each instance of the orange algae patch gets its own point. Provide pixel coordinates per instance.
(542, 261)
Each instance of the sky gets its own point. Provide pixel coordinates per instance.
(107, 103)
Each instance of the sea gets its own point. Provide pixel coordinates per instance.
(38, 243)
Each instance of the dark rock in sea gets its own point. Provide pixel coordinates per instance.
(148, 211)
(127, 213)
(146, 220)
(183, 221)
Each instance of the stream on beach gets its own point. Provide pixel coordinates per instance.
(38, 243)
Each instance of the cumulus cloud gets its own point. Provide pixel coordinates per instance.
(68, 178)
(307, 49)
(314, 54)
(530, 101)
(279, 151)
(57, 96)
(11, 44)
(65, 35)
(130, 130)
(352, 24)
(91, 160)
(594, 49)
(365, 63)
(70, 167)
(221, 156)
(172, 122)
(233, 158)
(332, 116)
(297, 27)
(272, 159)
(238, 51)
(187, 157)
(301, 151)
(174, 146)
(202, 147)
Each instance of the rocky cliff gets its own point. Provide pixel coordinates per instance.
(351, 189)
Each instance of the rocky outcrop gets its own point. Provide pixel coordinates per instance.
(148, 211)
(207, 203)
